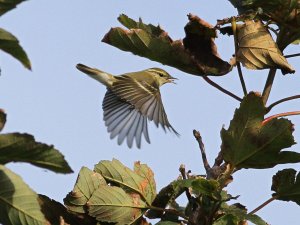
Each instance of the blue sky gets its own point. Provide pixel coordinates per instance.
(59, 105)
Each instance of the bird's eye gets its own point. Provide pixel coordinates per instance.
(161, 75)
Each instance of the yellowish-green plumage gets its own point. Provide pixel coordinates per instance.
(132, 99)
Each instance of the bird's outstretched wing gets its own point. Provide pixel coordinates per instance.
(123, 120)
(144, 97)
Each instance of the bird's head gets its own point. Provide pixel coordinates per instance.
(161, 76)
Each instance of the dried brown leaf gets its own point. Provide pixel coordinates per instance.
(257, 49)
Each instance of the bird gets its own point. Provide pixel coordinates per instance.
(131, 100)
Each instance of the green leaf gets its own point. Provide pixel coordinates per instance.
(113, 205)
(2, 119)
(267, 6)
(241, 214)
(16, 147)
(18, 203)
(257, 49)
(87, 182)
(286, 185)
(7, 5)
(227, 219)
(154, 43)
(131, 181)
(55, 212)
(202, 186)
(249, 143)
(10, 45)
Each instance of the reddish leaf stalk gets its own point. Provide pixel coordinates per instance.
(280, 115)
(282, 100)
(262, 205)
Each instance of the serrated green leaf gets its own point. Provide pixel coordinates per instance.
(10, 44)
(16, 147)
(18, 203)
(286, 185)
(155, 44)
(114, 171)
(113, 205)
(7, 5)
(257, 50)
(87, 182)
(2, 119)
(241, 214)
(248, 143)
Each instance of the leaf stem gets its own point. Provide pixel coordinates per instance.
(238, 64)
(268, 85)
(282, 100)
(280, 115)
(209, 81)
(262, 205)
(292, 55)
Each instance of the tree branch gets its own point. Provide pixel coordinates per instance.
(268, 85)
(209, 81)
(172, 211)
(282, 100)
(202, 149)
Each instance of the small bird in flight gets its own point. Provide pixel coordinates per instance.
(130, 101)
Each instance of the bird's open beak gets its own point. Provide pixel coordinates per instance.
(171, 80)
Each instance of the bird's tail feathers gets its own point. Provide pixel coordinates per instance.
(101, 76)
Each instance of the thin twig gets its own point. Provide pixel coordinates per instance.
(183, 174)
(239, 68)
(268, 85)
(219, 159)
(280, 115)
(238, 64)
(209, 81)
(292, 55)
(202, 149)
(262, 205)
(282, 100)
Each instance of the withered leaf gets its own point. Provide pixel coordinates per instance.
(154, 43)
(257, 49)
